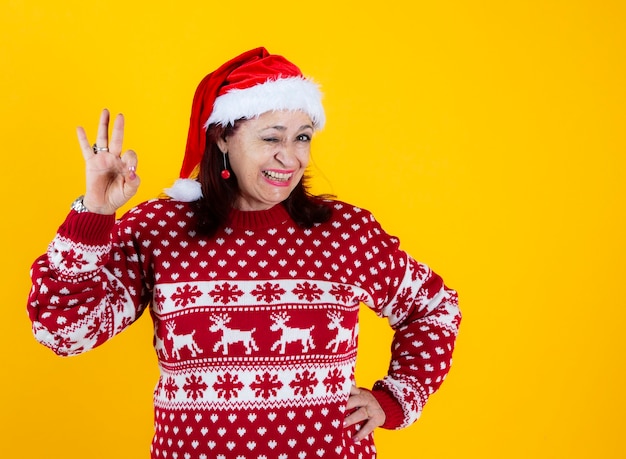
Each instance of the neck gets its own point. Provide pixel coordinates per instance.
(255, 219)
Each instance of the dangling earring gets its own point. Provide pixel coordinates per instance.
(225, 172)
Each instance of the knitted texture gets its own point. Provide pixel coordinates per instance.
(256, 328)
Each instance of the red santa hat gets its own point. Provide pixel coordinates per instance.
(247, 86)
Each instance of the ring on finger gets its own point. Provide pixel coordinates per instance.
(97, 149)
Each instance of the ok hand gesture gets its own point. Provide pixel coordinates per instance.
(110, 176)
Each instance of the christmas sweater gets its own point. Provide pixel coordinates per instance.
(255, 328)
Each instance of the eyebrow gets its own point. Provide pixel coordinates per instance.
(284, 128)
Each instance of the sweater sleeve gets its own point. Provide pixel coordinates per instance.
(425, 317)
(87, 287)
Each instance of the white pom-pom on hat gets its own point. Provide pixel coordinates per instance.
(185, 190)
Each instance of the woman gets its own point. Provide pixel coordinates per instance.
(253, 284)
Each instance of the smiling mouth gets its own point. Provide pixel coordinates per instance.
(277, 176)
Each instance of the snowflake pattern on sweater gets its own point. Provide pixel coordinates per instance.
(255, 328)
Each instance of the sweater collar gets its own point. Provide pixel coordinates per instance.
(258, 219)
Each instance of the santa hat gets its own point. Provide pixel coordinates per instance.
(247, 86)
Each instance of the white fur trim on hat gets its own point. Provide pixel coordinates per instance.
(185, 190)
(295, 93)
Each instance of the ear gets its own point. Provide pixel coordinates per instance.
(222, 144)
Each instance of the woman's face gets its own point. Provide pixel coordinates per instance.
(268, 155)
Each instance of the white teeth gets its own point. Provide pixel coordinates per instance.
(277, 175)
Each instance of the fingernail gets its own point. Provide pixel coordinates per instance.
(131, 172)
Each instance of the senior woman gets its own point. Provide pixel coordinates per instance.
(254, 285)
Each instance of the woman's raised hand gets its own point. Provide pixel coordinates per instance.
(110, 175)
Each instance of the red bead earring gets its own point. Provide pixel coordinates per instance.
(225, 172)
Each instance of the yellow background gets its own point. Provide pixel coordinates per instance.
(488, 135)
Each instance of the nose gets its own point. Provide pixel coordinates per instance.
(286, 155)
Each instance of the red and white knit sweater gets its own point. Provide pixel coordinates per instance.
(255, 328)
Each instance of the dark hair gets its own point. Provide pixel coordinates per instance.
(219, 195)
